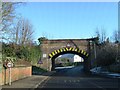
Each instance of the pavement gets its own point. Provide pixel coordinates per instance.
(29, 82)
(110, 75)
(105, 73)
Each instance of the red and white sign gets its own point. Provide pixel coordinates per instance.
(9, 64)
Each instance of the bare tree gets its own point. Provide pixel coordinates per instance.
(101, 34)
(116, 35)
(8, 15)
(23, 32)
(119, 35)
(106, 55)
(97, 32)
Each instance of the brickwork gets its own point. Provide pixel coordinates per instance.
(49, 46)
(16, 74)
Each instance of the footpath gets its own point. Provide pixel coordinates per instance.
(99, 71)
(29, 83)
(110, 75)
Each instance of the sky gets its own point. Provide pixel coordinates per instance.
(70, 20)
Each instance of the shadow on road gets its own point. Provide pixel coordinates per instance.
(74, 77)
(77, 71)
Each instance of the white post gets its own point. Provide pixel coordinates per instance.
(10, 76)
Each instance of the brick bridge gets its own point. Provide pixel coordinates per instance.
(52, 48)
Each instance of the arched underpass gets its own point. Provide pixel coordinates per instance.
(53, 55)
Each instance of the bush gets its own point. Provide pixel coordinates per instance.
(29, 53)
(106, 55)
(8, 50)
(34, 54)
(115, 68)
(22, 53)
(67, 64)
(37, 70)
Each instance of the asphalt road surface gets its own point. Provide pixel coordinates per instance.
(74, 77)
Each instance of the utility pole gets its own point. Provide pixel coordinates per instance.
(117, 56)
(95, 49)
(95, 55)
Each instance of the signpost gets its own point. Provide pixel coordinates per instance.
(9, 65)
(44, 55)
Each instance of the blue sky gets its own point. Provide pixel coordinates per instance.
(70, 20)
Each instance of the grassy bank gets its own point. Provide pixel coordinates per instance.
(37, 70)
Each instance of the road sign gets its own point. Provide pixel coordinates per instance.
(40, 62)
(44, 55)
(9, 64)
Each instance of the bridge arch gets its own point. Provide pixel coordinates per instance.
(72, 50)
(54, 54)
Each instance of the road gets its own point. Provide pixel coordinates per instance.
(74, 77)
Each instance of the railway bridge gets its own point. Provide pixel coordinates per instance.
(53, 48)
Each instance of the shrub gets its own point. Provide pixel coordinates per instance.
(115, 68)
(106, 55)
